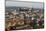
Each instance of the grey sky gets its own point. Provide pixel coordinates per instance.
(24, 4)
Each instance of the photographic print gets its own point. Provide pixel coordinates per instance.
(24, 15)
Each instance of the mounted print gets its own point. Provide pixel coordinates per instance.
(24, 15)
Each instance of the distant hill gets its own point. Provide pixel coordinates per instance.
(10, 9)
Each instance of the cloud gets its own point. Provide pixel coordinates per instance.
(24, 4)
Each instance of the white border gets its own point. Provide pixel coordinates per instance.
(27, 0)
(2, 16)
(2, 11)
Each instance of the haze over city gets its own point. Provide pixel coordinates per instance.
(24, 4)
